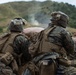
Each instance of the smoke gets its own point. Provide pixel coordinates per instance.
(33, 21)
(32, 11)
(39, 20)
(36, 16)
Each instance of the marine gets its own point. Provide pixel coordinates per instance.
(15, 46)
(52, 47)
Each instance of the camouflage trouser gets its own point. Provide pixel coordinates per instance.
(70, 71)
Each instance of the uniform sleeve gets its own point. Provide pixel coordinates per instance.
(67, 42)
(21, 46)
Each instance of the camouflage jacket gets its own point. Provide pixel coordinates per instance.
(61, 37)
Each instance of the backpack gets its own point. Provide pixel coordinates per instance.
(44, 64)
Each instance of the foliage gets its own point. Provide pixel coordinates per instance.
(40, 10)
(1, 29)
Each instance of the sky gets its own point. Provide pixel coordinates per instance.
(73, 2)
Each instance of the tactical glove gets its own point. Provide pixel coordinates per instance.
(73, 63)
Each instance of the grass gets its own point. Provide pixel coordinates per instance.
(71, 29)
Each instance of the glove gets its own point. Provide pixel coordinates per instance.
(65, 62)
(73, 63)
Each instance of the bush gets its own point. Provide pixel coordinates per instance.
(1, 29)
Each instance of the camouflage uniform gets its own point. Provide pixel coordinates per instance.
(17, 45)
(61, 37)
(55, 39)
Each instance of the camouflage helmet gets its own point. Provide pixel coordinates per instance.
(16, 25)
(59, 18)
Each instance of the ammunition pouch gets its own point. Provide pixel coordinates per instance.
(7, 58)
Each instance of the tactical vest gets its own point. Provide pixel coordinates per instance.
(47, 46)
(8, 46)
(43, 45)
